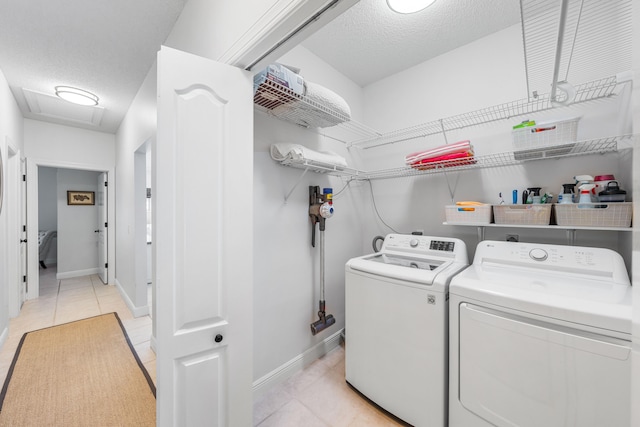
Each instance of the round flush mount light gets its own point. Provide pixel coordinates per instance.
(75, 95)
(409, 6)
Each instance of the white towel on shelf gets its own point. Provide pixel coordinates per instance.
(283, 152)
(320, 108)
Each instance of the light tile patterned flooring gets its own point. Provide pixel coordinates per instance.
(316, 396)
(66, 300)
(319, 396)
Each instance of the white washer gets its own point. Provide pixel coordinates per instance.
(396, 313)
(540, 335)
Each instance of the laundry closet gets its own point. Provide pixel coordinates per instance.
(476, 92)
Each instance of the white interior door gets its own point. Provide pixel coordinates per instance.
(202, 241)
(101, 201)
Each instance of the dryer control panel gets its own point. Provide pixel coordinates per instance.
(557, 259)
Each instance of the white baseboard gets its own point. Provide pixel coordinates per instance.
(3, 336)
(136, 311)
(295, 365)
(152, 344)
(77, 273)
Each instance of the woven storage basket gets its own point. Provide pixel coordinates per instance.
(594, 214)
(480, 214)
(536, 214)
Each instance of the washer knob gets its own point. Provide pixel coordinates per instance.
(413, 243)
(538, 254)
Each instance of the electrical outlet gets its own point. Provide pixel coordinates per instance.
(513, 238)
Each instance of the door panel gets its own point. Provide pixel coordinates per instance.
(202, 234)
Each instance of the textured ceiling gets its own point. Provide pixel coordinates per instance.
(370, 42)
(106, 47)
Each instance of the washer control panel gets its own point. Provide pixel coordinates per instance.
(425, 245)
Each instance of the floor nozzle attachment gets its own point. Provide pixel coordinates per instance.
(324, 321)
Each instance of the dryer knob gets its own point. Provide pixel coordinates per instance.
(413, 243)
(538, 254)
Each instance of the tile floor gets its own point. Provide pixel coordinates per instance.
(319, 396)
(316, 396)
(66, 300)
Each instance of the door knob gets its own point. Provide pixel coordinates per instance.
(218, 338)
(96, 231)
(23, 241)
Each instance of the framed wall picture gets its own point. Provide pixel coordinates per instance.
(81, 198)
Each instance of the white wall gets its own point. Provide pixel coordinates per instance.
(77, 240)
(47, 144)
(138, 127)
(286, 267)
(464, 80)
(10, 133)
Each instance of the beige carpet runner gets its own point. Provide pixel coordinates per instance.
(83, 373)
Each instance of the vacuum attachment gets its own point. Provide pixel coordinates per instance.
(324, 321)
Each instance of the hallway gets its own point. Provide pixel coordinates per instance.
(67, 300)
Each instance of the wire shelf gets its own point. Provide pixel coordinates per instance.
(585, 92)
(596, 146)
(318, 167)
(575, 40)
(282, 103)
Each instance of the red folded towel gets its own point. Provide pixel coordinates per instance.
(448, 160)
(458, 147)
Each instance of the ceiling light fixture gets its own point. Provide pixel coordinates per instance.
(77, 96)
(409, 6)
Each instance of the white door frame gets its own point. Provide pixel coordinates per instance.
(103, 216)
(32, 217)
(13, 206)
(140, 229)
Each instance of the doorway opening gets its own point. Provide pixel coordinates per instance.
(79, 246)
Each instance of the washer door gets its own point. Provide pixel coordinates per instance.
(516, 371)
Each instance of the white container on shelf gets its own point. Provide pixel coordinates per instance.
(558, 137)
(534, 214)
(477, 214)
(594, 214)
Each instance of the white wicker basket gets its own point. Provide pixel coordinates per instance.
(536, 214)
(556, 137)
(594, 214)
(480, 214)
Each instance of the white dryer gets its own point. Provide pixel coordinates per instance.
(540, 335)
(396, 312)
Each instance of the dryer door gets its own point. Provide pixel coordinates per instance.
(515, 371)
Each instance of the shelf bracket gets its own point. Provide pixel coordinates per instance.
(571, 237)
(295, 185)
(481, 230)
(452, 191)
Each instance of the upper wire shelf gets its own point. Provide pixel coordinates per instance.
(283, 103)
(355, 134)
(585, 92)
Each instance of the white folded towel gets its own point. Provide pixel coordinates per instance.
(283, 152)
(321, 108)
